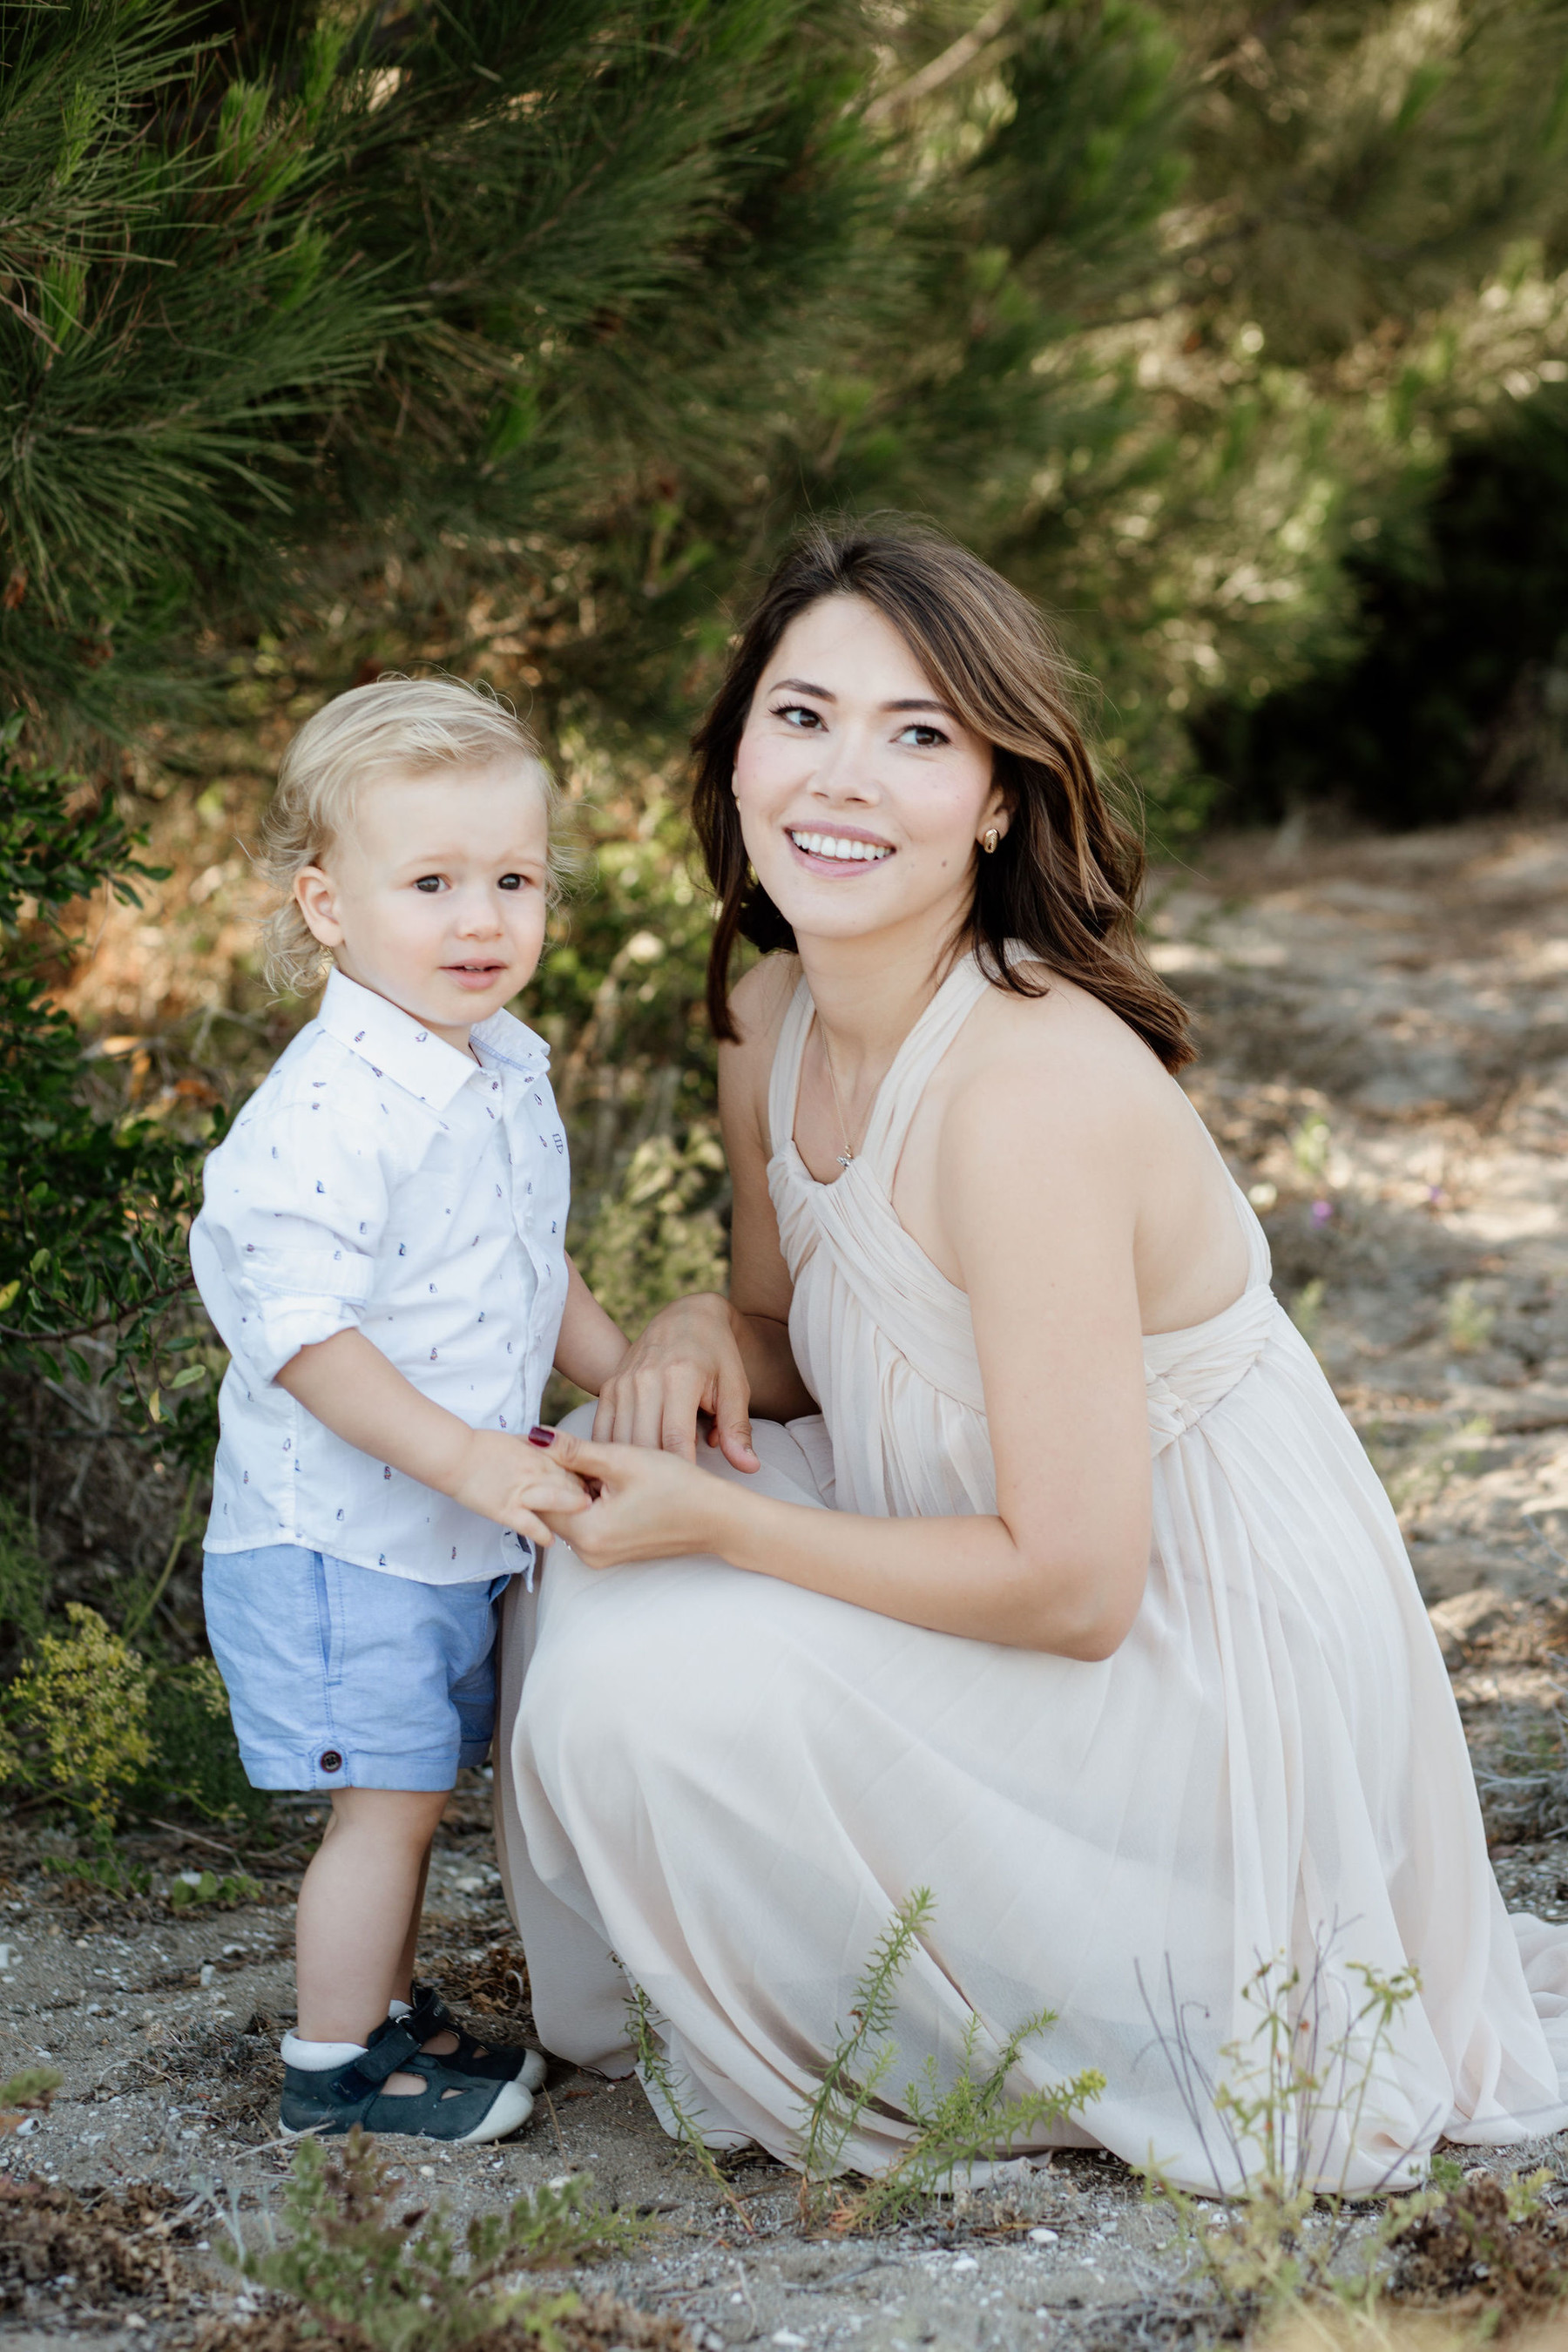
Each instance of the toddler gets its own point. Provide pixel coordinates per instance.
(383, 1250)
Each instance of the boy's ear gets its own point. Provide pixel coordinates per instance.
(316, 896)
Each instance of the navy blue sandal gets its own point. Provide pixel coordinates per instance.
(508, 2064)
(453, 2105)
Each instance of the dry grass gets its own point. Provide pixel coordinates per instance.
(79, 2252)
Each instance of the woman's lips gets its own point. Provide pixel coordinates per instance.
(849, 853)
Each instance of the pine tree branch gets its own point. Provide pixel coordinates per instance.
(945, 66)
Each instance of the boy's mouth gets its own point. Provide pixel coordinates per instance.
(480, 973)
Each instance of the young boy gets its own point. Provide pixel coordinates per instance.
(382, 1249)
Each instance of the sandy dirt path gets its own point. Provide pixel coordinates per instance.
(1385, 1030)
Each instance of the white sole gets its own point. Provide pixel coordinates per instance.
(513, 2105)
(535, 2067)
(511, 2108)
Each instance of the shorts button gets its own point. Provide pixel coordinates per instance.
(330, 1761)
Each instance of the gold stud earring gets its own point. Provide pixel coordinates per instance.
(989, 839)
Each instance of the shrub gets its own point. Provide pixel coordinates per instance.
(81, 1704)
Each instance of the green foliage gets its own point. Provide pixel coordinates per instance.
(103, 1866)
(205, 1887)
(973, 2119)
(1293, 2229)
(23, 1578)
(650, 1243)
(864, 2054)
(35, 2086)
(175, 308)
(403, 2280)
(1452, 696)
(93, 1210)
(78, 1713)
(194, 1765)
(657, 2078)
(976, 2119)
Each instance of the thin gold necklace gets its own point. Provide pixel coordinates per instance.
(847, 1154)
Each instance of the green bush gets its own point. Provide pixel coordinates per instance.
(194, 1765)
(1455, 700)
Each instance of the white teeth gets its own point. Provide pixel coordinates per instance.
(836, 844)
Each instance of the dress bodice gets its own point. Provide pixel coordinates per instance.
(886, 1343)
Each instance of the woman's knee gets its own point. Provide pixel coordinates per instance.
(622, 1692)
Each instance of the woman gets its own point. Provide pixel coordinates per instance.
(1067, 1592)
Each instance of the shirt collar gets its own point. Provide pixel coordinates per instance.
(504, 1038)
(391, 1040)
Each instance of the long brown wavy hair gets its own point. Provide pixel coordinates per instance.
(1065, 879)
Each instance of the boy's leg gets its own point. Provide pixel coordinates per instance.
(404, 1987)
(440, 2045)
(443, 2043)
(359, 1911)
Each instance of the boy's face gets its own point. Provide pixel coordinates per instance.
(435, 893)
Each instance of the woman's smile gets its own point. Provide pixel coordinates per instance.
(836, 851)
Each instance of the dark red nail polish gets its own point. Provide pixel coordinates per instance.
(542, 1438)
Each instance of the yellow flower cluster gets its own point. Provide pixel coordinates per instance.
(85, 1694)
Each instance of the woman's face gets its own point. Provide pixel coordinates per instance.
(862, 795)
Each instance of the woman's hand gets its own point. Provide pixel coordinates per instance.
(687, 1362)
(648, 1505)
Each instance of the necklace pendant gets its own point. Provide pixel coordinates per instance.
(844, 1157)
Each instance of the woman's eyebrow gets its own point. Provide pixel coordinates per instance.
(825, 693)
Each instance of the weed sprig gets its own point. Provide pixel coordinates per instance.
(404, 2282)
(653, 2066)
(1294, 2086)
(973, 2120)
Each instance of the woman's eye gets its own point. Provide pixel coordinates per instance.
(798, 715)
(429, 882)
(925, 738)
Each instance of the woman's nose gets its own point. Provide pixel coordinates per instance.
(847, 768)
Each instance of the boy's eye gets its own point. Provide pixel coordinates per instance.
(512, 882)
(429, 882)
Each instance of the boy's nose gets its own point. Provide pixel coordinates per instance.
(477, 917)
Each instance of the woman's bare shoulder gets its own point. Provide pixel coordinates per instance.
(759, 1001)
(1067, 1034)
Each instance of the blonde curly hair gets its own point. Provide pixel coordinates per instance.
(398, 726)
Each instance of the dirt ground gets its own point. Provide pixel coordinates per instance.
(1385, 1029)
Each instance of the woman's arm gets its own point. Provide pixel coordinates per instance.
(1038, 1186)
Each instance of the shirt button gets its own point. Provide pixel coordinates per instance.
(331, 1761)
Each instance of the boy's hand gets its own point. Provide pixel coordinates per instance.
(508, 1480)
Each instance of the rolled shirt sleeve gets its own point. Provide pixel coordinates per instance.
(284, 1248)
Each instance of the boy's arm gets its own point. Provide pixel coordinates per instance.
(591, 1345)
(349, 1386)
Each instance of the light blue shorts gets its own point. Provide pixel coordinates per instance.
(345, 1677)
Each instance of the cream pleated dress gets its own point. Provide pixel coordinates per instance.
(723, 1788)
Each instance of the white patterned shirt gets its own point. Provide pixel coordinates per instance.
(379, 1179)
